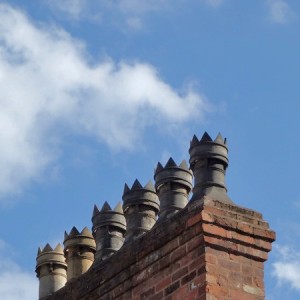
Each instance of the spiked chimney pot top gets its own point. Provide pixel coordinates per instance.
(207, 148)
(138, 195)
(49, 255)
(109, 217)
(76, 238)
(173, 173)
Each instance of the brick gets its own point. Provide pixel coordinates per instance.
(207, 217)
(241, 258)
(170, 246)
(191, 295)
(200, 297)
(238, 295)
(197, 252)
(220, 244)
(173, 287)
(178, 253)
(149, 259)
(211, 278)
(158, 296)
(194, 220)
(142, 276)
(235, 280)
(247, 270)
(214, 211)
(163, 283)
(215, 269)
(147, 294)
(118, 290)
(258, 272)
(173, 267)
(252, 252)
(246, 228)
(222, 280)
(201, 270)
(188, 277)
(188, 235)
(258, 282)
(184, 262)
(265, 245)
(195, 242)
(258, 264)
(106, 297)
(229, 265)
(228, 223)
(217, 253)
(247, 239)
(261, 255)
(164, 262)
(180, 293)
(197, 282)
(265, 233)
(188, 258)
(218, 291)
(248, 280)
(216, 230)
(140, 288)
(180, 273)
(210, 258)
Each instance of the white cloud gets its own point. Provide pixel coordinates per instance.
(72, 7)
(48, 87)
(130, 13)
(287, 268)
(279, 11)
(124, 12)
(77, 10)
(77, 7)
(137, 6)
(15, 283)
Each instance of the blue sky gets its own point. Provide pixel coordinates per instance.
(94, 93)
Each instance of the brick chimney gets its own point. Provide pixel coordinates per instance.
(210, 249)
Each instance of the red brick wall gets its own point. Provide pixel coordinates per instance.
(210, 250)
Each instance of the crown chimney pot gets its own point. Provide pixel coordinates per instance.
(209, 161)
(51, 269)
(79, 251)
(109, 227)
(141, 206)
(173, 184)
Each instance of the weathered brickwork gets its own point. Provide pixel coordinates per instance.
(208, 248)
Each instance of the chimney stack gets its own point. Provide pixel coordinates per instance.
(173, 184)
(212, 249)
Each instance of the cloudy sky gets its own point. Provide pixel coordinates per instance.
(93, 93)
